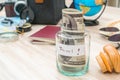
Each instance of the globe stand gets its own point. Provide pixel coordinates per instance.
(95, 22)
(91, 22)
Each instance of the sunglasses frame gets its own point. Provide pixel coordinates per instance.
(111, 33)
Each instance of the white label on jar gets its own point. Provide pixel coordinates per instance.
(70, 50)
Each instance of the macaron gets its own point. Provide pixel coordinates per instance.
(101, 64)
(106, 61)
(109, 60)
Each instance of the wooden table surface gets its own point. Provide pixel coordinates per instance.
(22, 60)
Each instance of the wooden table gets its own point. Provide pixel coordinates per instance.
(22, 60)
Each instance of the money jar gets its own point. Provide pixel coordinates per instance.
(72, 44)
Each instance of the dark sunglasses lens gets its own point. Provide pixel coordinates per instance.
(110, 29)
(115, 37)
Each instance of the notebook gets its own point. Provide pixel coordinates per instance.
(46, 34)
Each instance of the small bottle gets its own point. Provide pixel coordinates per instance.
(72, 44)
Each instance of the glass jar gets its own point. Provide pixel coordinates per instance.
(73, 49)
(73, 53)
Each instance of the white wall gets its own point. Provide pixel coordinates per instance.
(114, 3)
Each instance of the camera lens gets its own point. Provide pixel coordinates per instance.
(19, 6)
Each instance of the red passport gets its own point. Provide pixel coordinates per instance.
(46, 34)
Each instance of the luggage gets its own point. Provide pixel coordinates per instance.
(46, 11)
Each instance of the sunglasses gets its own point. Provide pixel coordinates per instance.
(112, 33)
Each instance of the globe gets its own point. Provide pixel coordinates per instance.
(89, 7)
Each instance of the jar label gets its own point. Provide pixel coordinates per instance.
(73, 55)
(70, 50)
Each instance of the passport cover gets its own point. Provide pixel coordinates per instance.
(46, 34)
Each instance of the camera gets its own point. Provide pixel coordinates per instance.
(18, 8)
(13, 8)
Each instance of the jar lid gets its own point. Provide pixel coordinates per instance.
(72, 11)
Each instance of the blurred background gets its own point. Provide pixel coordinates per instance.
(114, 3)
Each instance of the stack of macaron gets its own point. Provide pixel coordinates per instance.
(109, 59)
